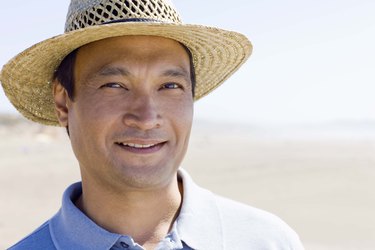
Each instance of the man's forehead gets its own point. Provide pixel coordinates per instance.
(144, 41)
(134, 48)
(122, 55)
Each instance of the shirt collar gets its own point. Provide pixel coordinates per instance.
(198, 224)
(72, 229)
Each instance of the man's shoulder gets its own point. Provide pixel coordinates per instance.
(239, 211)
(243, 223)
(40, 239)
(236, 225)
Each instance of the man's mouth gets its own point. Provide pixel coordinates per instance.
(141, 147)
(134, 145)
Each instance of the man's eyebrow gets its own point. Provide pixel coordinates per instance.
(120, 71)
(113, 71)
(177, 72)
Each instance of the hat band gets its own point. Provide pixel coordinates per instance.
(127, 20)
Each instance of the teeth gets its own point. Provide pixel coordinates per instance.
(133, 145)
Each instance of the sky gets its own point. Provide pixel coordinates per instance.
(313, 61)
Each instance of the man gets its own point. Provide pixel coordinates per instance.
(122, 80)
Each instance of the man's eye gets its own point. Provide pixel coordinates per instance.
(111, 85)
(171, 85)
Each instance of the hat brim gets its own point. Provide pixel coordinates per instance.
(27, 78)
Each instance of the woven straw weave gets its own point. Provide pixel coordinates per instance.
(79, 16)
(27, 78)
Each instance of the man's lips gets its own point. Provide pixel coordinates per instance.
(142, 147)
(135, 145)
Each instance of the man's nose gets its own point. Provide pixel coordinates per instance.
(143, 113)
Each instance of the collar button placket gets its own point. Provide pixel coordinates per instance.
(124, 245)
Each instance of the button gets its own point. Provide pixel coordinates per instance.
(124, 245)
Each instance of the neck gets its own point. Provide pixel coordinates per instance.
(136, 213)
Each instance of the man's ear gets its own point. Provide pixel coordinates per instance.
(62, 102)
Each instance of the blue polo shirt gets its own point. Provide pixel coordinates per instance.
(206, 221)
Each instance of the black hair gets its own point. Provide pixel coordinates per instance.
(65, 73)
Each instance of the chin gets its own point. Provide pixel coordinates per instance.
(146, 176)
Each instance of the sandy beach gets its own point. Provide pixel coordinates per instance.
(322, 183)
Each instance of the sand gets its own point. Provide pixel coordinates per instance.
(322, 185)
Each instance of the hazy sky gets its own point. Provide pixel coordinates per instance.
(313, 61)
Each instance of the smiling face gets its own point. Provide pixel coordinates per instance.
(132, 112)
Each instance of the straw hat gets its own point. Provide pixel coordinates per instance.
(27, 78)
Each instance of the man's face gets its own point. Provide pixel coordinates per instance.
(132, 112)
